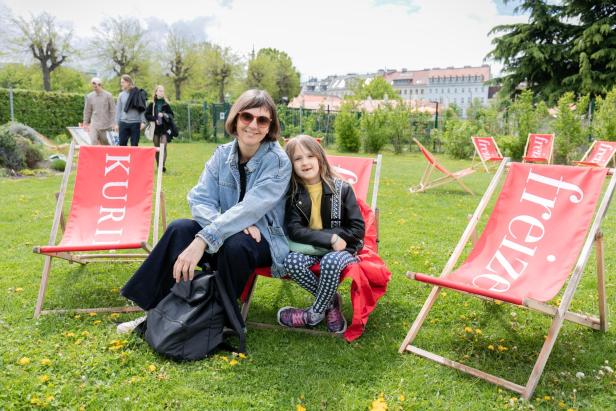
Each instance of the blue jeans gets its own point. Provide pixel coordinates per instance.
(131, 130)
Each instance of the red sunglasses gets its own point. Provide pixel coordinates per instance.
(247, 118)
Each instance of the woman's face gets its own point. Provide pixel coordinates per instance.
(160, 92)
(124, 84)
(252, 126)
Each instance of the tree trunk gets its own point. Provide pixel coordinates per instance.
(178, 89)
(46, 76)
(221, 92)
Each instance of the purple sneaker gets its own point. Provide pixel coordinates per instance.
(334, 318)
(292, 317)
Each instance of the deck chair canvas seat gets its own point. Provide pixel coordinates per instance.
(370, 276)
(426, 183)
(539, 148)
(527, 251)
(111, 210)
(487, 151)
(598, 154)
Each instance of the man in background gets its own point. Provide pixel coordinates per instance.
(98, 113)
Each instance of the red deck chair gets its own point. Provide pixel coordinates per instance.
(425, 183)
(537, 234)
(365, 290)
(111, 210)
(539, 148)
(487, 151)
(598, 154)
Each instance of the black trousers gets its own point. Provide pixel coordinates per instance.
(127, 130)
(236, 259)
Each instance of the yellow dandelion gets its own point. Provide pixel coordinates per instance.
(43, 378)
(547, 398)
(491, 347)
(45, 362)
(24, 361)
(243, 356)
(570, 409)
(82, 408)
(77, 316)
(69, 334)
(115, 290)
(114, 315)
(561, 404)
(478, 331)
(35, 400)
(468, 330)
(19, 289)
(96, 322)
(444, 294)
(379, 404)
(300, 407)
(498, 302)
(85, 333)
(222, 357)
(50, 398)
(501, 348)
(151, 368)
(92, 314)
(401, 397)
(133, 379)
(233, 362)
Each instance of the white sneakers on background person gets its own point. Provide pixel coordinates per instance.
(128, 326)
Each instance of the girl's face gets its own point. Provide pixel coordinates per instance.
(306, 165)
(160, 92)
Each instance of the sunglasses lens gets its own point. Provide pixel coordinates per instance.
(246, 117)
(263, 121)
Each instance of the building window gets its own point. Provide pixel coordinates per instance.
(422, 90)
(462, 90)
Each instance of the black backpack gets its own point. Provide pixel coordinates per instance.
(188, 323)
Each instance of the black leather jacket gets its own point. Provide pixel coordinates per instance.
(350, 226)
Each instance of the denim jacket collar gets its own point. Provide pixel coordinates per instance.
(232, 159)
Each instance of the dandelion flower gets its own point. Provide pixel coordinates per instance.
(151, 368)
(69, 334)
(468, 330)
(300, 407)
(92, 314)
(547, 398)
(561, 404)
(96, 322)
(24, 361)
(45, 362)
(19, 289)
(85, 333)
(43, 378)
(501, 348)
(401, 397)
(224, 358)
(77, 316)
(233, 362)
(478, 331)
(379, 404)
(243, 356)
(114, 315)
(491, 347)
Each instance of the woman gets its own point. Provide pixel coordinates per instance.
(237, 208)
(128, 119)
(159, 111)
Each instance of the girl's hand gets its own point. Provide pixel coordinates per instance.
(184, 267)
(254, 232)
(339, 244)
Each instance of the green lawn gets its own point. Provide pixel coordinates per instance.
(78, 361)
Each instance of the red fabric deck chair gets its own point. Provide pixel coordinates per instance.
(539, 148)
(111, 210)
(370, 276)
(598, 154)
(425, 183)
(537, 234)
(487, 151)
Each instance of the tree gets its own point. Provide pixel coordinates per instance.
(261, 74)
(376, 89)
(604, 121)
(47, 41)
(347, 131)
(273, 71)
(565, 46)
(179, 58)
(221, 67)
(570, 134)
(119, 46)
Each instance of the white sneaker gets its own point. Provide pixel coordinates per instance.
(129, 326)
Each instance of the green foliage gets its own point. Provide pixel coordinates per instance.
(10, 155)
(200, 120)
(273, 70)
(373, 127)
(376, 89)
(58, 164)
(18, 147)
(222, 67)
(119, 45)
(32, 153)
(398, 126)
(347, 130)
(604, 121)
(456, 135)
(526, 118)
(571, 136)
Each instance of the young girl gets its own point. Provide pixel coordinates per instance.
(322, 212)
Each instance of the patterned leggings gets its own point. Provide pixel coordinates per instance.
(324, 286)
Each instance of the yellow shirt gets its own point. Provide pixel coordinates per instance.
(316, 192)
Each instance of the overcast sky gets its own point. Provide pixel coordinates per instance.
(322, 36)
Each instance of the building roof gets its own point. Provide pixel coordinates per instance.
(314, 102)
(423, 76)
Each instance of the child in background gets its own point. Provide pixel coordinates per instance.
(321, 211)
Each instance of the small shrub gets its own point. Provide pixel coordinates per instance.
(58, 165)
(32, 154)
(10, 156)
(347, 131)
(373, 127)
(24, 131)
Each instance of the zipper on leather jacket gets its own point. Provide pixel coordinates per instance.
(296, 203)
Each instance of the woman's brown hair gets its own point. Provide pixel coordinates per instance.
(128, 79)
(311, 145)
(254, 99)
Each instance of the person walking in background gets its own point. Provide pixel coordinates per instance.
(129, 117)
(98, 113)
(159, 111)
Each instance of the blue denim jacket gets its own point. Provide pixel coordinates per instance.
(214, 200)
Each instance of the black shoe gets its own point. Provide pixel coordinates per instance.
(164, 169)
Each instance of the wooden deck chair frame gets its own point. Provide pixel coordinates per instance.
(83, 259)
(527, 159)
(559, 314)
(373, 205)
(425, 183)
(584, 161)
(490, 163)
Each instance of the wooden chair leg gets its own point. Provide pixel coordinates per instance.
(601, 282)
(43, 287)
(421, 317)
(246, 305)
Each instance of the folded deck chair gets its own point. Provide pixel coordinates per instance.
(111, 210)
(537, 234)
(539, 148)
(487, 151)
(370, 276)
(425, 183)
(80, 136)
(598, 154)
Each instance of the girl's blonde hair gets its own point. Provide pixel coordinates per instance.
(311, 145)
(164, 95)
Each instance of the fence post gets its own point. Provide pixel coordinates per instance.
(11, 104)
(189, 128)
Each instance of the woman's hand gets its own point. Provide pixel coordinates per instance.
(184, 267)
(338, 243)
(141, 126)
(254, 232)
